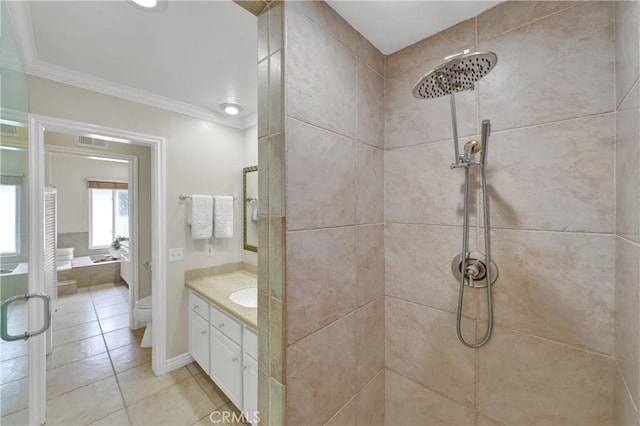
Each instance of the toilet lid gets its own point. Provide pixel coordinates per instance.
(145, 302)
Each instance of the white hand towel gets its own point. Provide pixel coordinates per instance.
(223, 216)
(201, 216)
(254, 213)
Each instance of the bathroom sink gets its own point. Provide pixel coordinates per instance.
(247, 297)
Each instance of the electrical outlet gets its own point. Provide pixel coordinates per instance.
(209, 249)
(176, 254)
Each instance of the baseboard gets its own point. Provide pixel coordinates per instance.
(179, 361)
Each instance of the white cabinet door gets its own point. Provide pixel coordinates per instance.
(250, 389)
(226, 365)
(199, 340)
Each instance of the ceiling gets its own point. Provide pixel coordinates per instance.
(391, 25)
(191, 56)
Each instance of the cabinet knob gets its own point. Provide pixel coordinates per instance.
(235, 359)
(196, 306)
(221, 325)
(203, 332)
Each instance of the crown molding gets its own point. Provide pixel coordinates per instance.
(20, 16)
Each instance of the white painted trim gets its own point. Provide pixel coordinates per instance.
(158, 215)
(250, 120)
(133, 210)
(37, 359)
(179, 361)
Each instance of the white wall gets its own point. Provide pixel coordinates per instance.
(16, 163)
(68, 175)
(202, 158)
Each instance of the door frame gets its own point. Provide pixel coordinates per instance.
(37, 126)
(132, 165)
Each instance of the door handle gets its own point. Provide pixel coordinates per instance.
(24, 297)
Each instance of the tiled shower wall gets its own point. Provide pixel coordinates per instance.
(627, 273)
(551, 103)
(334, 220)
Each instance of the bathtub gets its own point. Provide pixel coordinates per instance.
(87, 271)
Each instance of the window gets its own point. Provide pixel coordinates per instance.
(108, 213)
(9, 216)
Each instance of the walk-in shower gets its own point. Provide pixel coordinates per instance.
(472, 269)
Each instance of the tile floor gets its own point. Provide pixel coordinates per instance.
(98, 374)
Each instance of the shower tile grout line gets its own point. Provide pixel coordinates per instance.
(481, 320)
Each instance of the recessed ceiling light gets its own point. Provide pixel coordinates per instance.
(146, 3)
(231, 108)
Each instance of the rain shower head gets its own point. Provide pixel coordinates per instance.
(458, 73)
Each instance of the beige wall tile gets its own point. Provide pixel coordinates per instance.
(371, 262)
(554, 177)
(277, 261)
(320, 80)
(421, 344)
(346, 416)
(512, 14)
(276, 107)
(370, 93)
(263, 175)
(408, 403)
(627, 46)
(275, 27)
(370, 340)
(420, 187)
(370, 55)
(418, 266)
(435, 47)
(524, 379)
(370, 402)
(263, 254)
(330, 21)
(627, 166)
(411, 121)
(181, 404)
(277, 174)
(321, 178)
(263, 397)
(321, 279)
(276, 402)
(277, 344)
(549, 285)
(624, 411)
(263, 98)
(264, 339)
(518, 92)
(627, 300)
(263, 36)
(370, 184)
(321, 373)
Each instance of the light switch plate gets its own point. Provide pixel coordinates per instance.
(176, 254)
(209, 249)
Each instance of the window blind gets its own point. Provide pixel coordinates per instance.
(101, 184)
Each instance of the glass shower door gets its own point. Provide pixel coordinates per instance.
(23, 312)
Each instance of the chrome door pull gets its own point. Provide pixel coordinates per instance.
(24, 297)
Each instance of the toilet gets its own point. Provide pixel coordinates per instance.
(142, 313)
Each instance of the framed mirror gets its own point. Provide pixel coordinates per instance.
(250, 208)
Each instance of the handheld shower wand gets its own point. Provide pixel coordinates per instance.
(472, 269)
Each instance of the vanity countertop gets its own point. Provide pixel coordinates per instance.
(217, 288)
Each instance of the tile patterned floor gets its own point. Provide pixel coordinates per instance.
(99, 375)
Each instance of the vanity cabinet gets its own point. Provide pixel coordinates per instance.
(226, 349)
(199, 331)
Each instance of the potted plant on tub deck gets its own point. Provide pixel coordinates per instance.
(114, 250)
